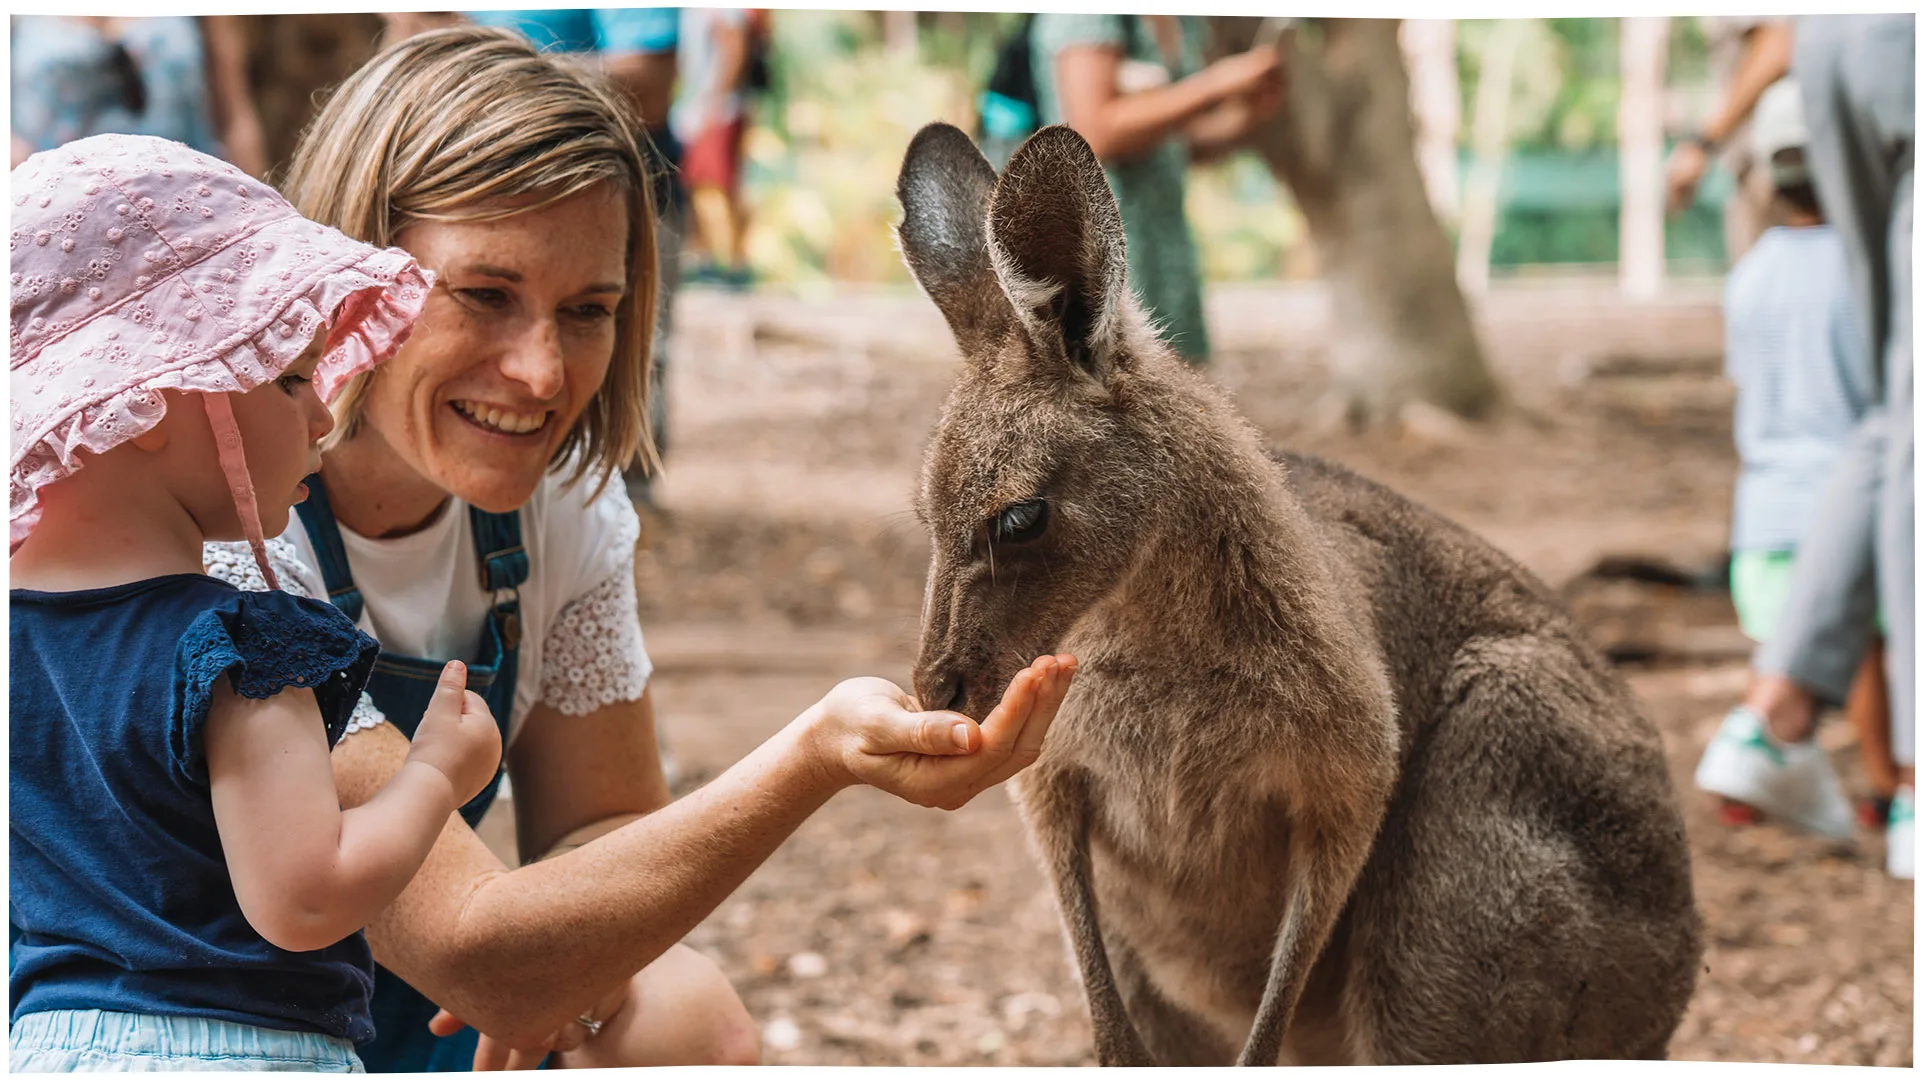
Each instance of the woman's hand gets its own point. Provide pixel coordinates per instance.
(1685, 167)
(1245, 74)
(492, 1055)
(869, 731)
(1228, 126)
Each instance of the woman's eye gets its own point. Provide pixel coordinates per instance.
(592, 312)
(292, 383)
(1020, 522)
(485, 297)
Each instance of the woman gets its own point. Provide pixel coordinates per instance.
(1135, 87)
(175, 77)
(465, 511)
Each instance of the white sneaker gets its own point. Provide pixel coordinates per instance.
(1794, 783)
(1900, 835)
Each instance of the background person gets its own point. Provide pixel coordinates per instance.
(1135, 87)
(174, 77)
(1798, 357)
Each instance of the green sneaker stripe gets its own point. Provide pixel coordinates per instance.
(1758, 741)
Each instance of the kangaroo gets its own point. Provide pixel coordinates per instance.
(1338, 782)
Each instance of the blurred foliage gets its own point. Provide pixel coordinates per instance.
(826, 141)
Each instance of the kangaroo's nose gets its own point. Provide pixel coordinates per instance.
(941, 691)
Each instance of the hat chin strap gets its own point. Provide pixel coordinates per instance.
(233, 462)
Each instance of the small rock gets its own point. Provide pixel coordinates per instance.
(1426, 423)
(902, 927)
(780, 1033)
(993, 1042)
(1017, 1007)
(807, 965)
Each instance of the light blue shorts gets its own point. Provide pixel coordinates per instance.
(89, 1040)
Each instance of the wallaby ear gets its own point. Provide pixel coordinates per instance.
(1054, 235)
(944, 187)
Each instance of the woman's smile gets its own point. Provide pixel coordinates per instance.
(499, 421)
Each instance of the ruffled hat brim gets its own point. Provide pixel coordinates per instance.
(302, 276)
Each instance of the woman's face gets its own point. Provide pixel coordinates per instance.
(515, 340)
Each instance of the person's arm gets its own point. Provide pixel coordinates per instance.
(577, 778)
(1225, 128)
(518, 954)
(1120, 126)
(1765, 58)
(305, 872)
(242, 140)
(729, 41)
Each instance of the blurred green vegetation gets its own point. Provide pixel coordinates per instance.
(826, 142)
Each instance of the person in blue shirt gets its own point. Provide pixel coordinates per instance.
(185, 891)
(1798, 355)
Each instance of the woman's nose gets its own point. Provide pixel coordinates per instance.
(537, 361)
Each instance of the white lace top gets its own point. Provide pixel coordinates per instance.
(578, 605)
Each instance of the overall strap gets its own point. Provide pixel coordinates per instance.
(502, 557)
(316, 514)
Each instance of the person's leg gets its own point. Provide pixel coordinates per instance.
(1827, 618)
(682, 1011)
(736, 207)
(1877, 84)
(715, 221)
(1894, 549)
(1867, 714)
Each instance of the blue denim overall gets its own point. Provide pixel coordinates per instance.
(402, 686)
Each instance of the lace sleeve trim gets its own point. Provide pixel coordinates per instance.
(365, 715)
(595, 654)
(233, 563)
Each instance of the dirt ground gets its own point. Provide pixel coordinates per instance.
(883, 934)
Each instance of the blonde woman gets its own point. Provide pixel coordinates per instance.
(464, 511)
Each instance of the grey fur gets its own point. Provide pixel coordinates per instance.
(1333, 768)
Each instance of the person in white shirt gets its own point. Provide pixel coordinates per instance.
(469, 507)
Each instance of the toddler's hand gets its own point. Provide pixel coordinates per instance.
(458, 735)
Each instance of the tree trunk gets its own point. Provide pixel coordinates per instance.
(1643, 66)
(1344, 144)
(1433, 67)
(1480, 217)
(902, 32)
(295, 59)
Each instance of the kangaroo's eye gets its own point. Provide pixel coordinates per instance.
(1020, 522)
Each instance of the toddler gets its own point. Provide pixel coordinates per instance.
(1798, 356)
(186, 892)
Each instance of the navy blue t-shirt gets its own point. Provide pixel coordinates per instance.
(120, 894)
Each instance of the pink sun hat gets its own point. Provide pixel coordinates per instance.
(141, 265)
